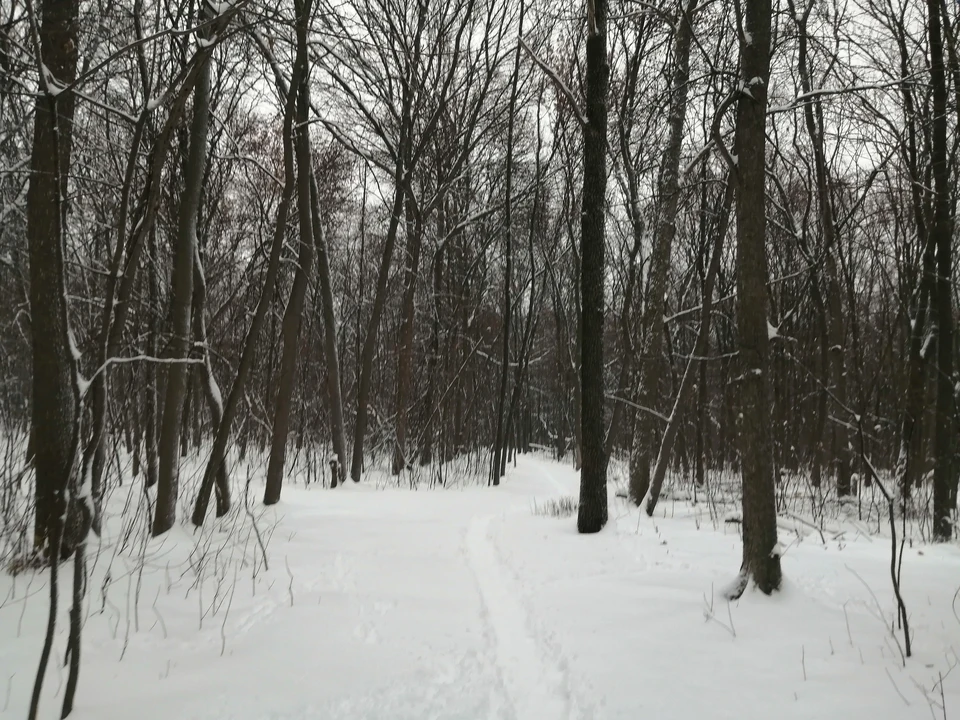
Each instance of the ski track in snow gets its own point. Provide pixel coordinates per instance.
(533, 683)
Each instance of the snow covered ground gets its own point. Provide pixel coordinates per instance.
(465, 603)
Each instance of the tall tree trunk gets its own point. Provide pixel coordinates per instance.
(207, 380)
(669, 191)
(909, 461)
(94, 453)
(497, 464)
(236, 396)
(944, 472)
(56, 389)
(593, 473)
(953, 54)
(55, 393)
(150, 412)
(328, 314)
(411, 268)
(761, 557)
(330, 352)
(294, 311)
(181, 304)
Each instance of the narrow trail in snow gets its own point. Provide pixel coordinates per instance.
(533, 682)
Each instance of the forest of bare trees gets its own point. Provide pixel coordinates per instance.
(693, 235)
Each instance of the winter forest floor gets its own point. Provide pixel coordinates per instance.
(474, 603)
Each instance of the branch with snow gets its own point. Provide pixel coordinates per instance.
(558, 83)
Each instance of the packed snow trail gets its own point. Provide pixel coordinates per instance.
(530, 679)
(464, 604)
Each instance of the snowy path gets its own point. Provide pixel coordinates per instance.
(532, 683)
(463, 604)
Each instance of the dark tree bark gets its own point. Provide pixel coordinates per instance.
(294, 311)
(593, 473)
(909, 461)
(60, 526)
(150, 412)
(498, 464)
(761, 559)
(181, 306)
(944, 471)
(55, 391)
(322, 252)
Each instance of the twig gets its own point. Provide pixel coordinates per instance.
(708, 614)
(846, 619)
(6, 703)
(887, 671)
(290, 586)
(879, 611)
(943, 699)
(223, 625)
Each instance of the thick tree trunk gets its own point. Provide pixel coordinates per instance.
(669, 191)
(944, 471)
(55, 429)
(55, 392)
(181, 305)
(761, 557)
(953, 54)
(593, 473)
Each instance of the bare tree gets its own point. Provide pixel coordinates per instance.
(294, 309)
(182, 303)
(593, 474)
(941, 236)
(761, 555)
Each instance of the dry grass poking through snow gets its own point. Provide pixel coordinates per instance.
(561, 507)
